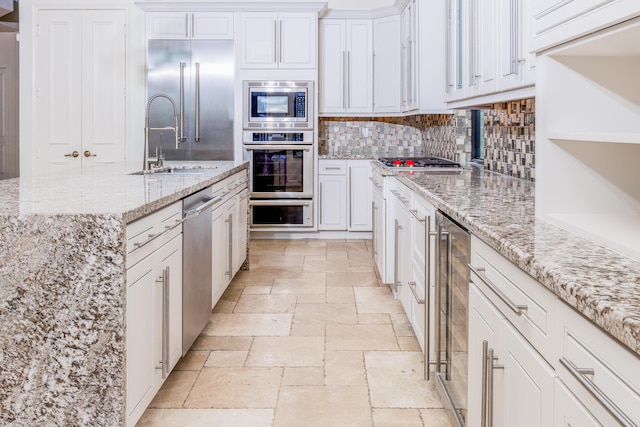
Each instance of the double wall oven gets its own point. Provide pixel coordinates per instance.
(278, 142)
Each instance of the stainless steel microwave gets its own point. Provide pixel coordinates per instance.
(278, 104)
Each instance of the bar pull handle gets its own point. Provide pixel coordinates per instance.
(209, 201)
(197, 101)
(374, 208)
(517, 309)
(182, 67)
(413, 286)
(580, 374)
(74, 154)
(166, 321)
(396, 255)
(345, 80)
(349, 79)
(332, 168)
(229, 220)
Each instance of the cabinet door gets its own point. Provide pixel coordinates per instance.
(58, 78)
(297, 40)
(568, 411)
(516, 67)
(140, 350)
(386, 63)
(258, 46)
(104, 110)
(359, 66)
(220, 252)
(332, 202)
(240, 219)
(480, 72)
(171, 258)
(360, 193)
(332, 65)
(454, 50)
(212, 25)
(409, 43)
(168, 25)
(403, 260)
(379, 234)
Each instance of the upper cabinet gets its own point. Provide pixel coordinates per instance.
(278, 40)
(409, 43)
(387, 88)
(190, 25)
(558, 21)
(346, 70)
(487, 56)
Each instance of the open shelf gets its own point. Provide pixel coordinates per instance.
(618, 138)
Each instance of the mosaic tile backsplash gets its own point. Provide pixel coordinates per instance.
(509, 137)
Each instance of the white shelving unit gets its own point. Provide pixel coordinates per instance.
(588, 146)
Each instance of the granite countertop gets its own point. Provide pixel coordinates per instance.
(63, 288)
(108, 189)
(597, 281)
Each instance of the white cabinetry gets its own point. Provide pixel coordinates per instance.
(80, 74)
(480, 72)
(345, 195)
(154, 305)
(229, 229)
(558, 21)
(346, 71)
(190, 25)
(387, 88)
(400, 221)
(410, 58)
(379, 222)
(517, 64)
(278, 40)
(332, 197)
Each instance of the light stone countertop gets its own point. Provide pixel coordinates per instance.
(597, 281)
(62, 288)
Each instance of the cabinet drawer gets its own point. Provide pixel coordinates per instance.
(145, 229)
(333, 167)
(615, 371)
(514, 288)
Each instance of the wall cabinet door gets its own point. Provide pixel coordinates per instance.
(278, 40)
(454, 50)
(410, 57)
(360, 195)
(332, 199)
(387, 88)
(189, 25)
(517, 65)
(347, 66)
(480, 70)
(80, 76)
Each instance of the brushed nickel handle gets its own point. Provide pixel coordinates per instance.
(74, 154)
(182, 67)
(197, 101)
(517, 309)
(87, 153)
(413, 286)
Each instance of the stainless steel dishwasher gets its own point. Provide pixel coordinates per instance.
(196, 264)
(453, 254)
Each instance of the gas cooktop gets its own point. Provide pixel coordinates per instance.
(418, 162)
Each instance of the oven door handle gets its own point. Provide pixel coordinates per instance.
(278, 147)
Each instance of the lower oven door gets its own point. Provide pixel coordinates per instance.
(281, 213)
(281, 171)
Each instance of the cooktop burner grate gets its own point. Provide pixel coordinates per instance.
(418, 162)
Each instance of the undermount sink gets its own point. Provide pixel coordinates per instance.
(171, 171)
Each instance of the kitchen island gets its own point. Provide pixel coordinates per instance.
(62, 297)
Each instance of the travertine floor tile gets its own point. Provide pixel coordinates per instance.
(361, 337)
(286, 351)
(329, 266)
(325, 313)
(409, 343)
(305, 250)
(224, 307)
(312, 299)
(308, 330)
(345, 368)
(340, 295)
(374, 318)
(304, 284)
(396, 418)
(436, 418)
(395, 380)
(265, 304)
(256, 290)
(303, 376)
(231, 294)
(404, 330)
(192, 361)
(207, 418)
(354, 245)
(175, 389)
(248, 324)
(352, 279)
(322, 406)
(276, 261)
(251, 277)
(222, 343)
(241, 388)
(226, 359)
(376, 300)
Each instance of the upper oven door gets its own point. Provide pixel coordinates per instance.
(274, 105)
(281, 171)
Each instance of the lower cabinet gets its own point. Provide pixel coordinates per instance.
(378, 232)
(344, 195)
(153, 309)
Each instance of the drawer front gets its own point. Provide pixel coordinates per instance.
(333, 167)
(610, 368)
(144, 229)
(514, 288)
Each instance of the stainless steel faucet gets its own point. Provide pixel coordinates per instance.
(158, 160)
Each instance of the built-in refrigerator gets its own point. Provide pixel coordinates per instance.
(198, 76)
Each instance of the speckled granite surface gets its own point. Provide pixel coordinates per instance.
(599, 282)
(62, 247)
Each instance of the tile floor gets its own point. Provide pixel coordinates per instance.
(308, 337)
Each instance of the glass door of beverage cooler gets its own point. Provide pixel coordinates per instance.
(281, 172)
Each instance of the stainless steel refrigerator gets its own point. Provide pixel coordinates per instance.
(198, 76)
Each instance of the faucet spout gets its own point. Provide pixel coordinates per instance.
(159, 158)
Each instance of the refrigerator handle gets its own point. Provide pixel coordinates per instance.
(182, 66)
(197, 100)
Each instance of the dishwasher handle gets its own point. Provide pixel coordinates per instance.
(208, 202)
